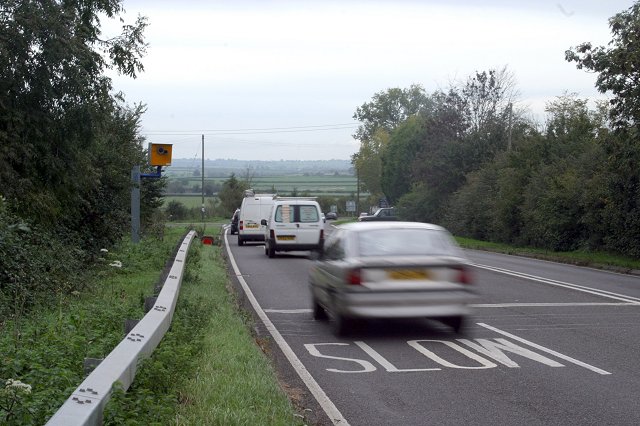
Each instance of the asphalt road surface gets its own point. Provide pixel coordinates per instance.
(548, 344)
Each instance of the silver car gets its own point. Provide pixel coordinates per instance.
(390, 270)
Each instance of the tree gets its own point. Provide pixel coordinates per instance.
(66, 143)
(231, 194)
(618, 73)
(368, 162)
(398, 158)
(176, 210)
(617, 65)
(389, 108)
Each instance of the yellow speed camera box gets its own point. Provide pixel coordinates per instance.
(160, 154)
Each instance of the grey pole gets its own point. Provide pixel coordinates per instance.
(135, 204)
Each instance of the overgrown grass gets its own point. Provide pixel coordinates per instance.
(46, 348)
(583, 258)
(207, 369)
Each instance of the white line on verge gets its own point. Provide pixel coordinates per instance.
(547, 350)
(327, 405)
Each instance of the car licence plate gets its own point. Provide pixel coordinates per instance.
(408, 274)
(251, 225)
(286, 237)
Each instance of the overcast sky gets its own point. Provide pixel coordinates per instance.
(271, 80)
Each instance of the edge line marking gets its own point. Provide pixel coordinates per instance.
(327, 405)
(602, 293)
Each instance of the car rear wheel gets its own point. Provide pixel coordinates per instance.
(271, 252)
(342, 325)
(319, 314)
(456, 323)
(240, 241)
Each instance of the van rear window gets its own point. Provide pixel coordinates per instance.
(296, 214)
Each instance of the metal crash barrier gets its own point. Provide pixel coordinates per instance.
(86, 405)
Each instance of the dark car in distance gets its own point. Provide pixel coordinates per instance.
(331, 216)
(234, 222)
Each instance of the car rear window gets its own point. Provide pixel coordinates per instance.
(297, 214)
(406, 242)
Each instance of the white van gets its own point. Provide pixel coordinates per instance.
(295, 223)
(254, 208)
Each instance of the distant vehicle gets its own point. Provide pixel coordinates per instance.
(234, 222)
(331, 216)
(385, 213)
(254, 208)
(295, 223)
(390, 270)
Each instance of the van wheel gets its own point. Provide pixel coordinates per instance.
(266, 250)
(271, 252)
(240, 241)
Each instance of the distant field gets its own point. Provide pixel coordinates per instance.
(315, 185)
(189, 200)
(329, 185)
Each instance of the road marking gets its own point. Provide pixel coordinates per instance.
(288, 311)
(497, 349)
(544, 304)
(327, 405)
(366, 365)
(386, 364)
(547, 350)
(571, 286)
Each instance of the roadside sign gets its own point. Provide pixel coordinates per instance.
(351, 206)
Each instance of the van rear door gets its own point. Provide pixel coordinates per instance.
(284, 227)
(309, 223)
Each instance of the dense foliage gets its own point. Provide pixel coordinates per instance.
(474, 162)
(67, 143)
(45, 351)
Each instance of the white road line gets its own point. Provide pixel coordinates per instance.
(547, 350)
(492, 305)
(543, 304)
(327, 405)
(601, 293)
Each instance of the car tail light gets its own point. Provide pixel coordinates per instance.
(241, 225)
(463, 275)
(354, 277)
(322, 234)
(272, 234)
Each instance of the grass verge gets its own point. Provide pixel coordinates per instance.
(44, 348)
(208, 369)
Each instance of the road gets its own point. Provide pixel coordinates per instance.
(548, 344)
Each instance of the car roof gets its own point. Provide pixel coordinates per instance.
(369, 226)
